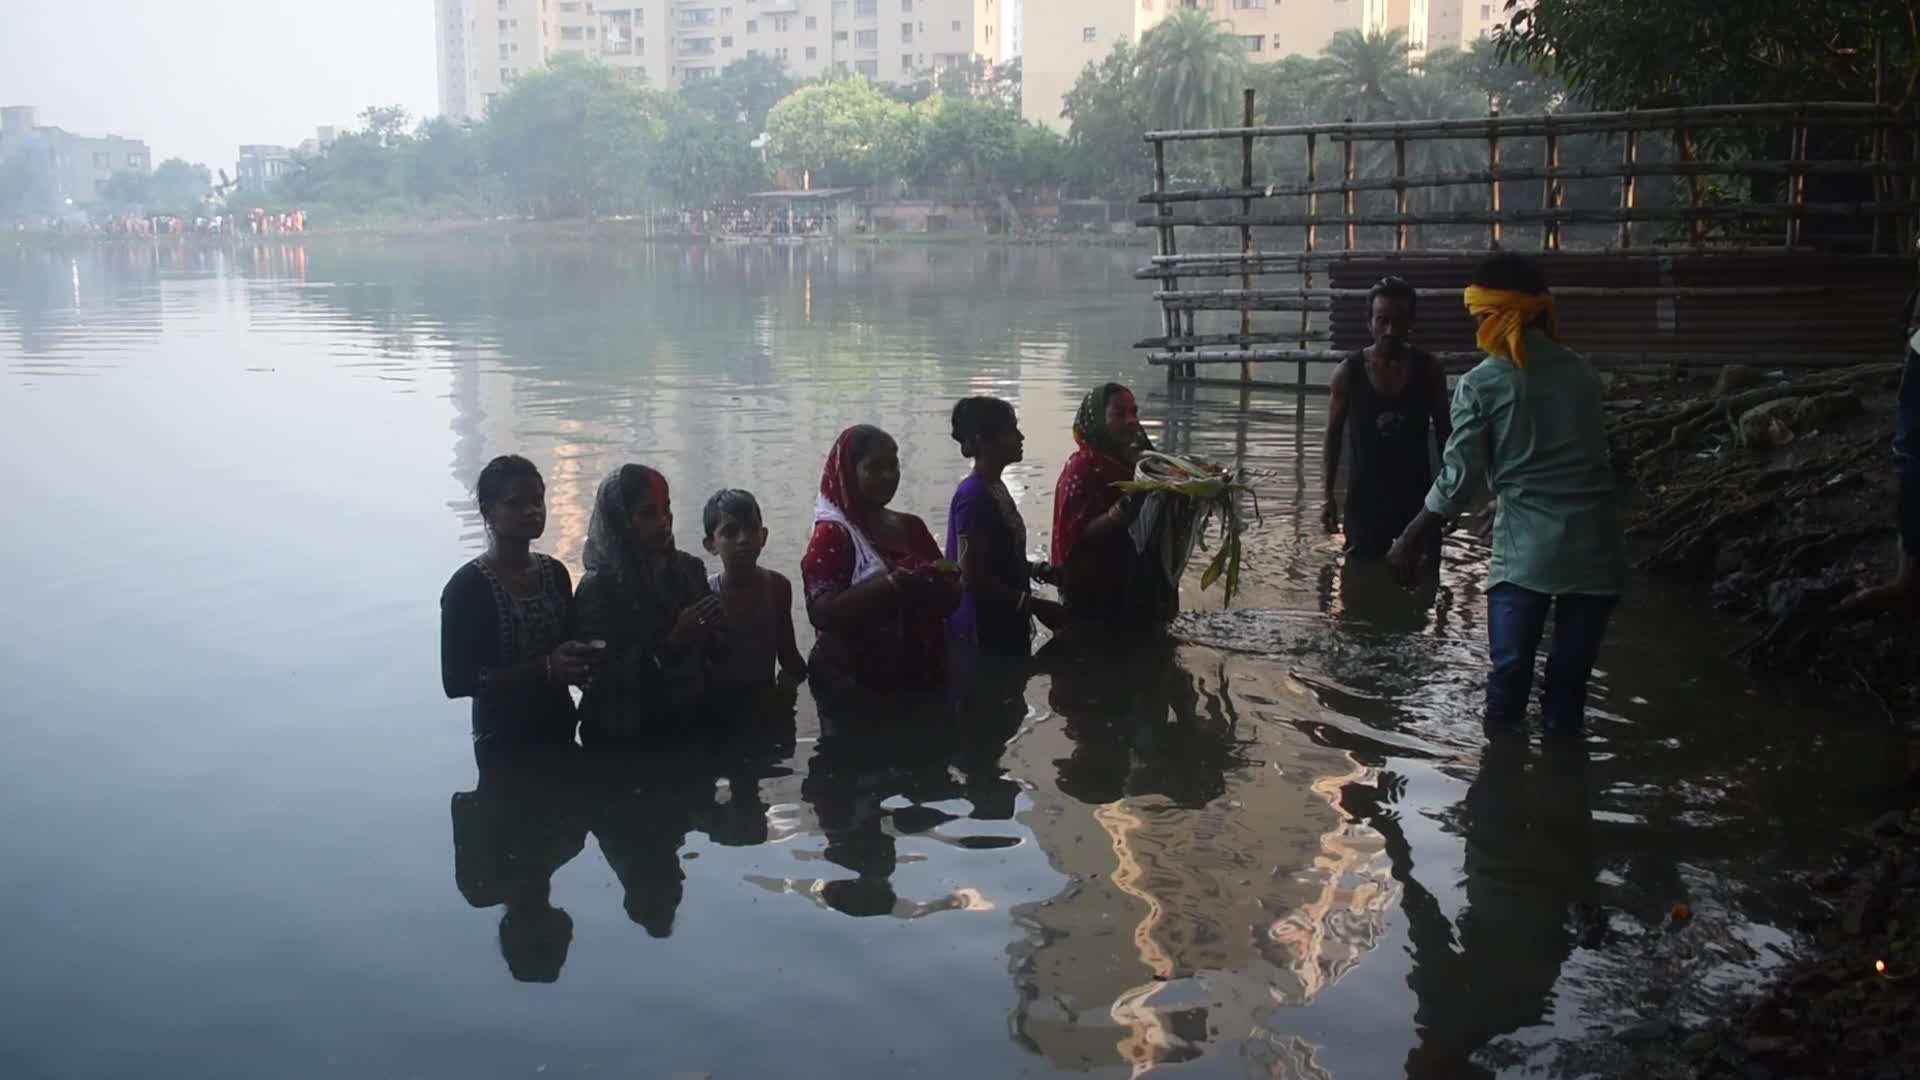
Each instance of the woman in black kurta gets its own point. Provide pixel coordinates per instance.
(650, 603)
(507, 623)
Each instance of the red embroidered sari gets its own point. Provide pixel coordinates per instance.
(906, 647)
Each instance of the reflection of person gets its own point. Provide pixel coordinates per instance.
(507, 620)
(1092, 550)
(522, 822)
(874, 591)
(650, 603)
(1394, 394)
(987, 536)
(1133, 714)
(757, 602)
(642, 812)
(1528, 421)
(1529, 860)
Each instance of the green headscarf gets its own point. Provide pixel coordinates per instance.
(1090, 424)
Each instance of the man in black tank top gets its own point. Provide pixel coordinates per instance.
(1395, 397)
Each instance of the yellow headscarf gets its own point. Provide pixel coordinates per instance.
(1508, 314)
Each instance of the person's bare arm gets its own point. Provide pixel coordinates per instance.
(791, 661)
(1334, 445)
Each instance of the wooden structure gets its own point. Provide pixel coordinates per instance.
(1776, 233)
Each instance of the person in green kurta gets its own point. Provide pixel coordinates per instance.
(1529, 423)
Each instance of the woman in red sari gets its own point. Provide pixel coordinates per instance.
(874, 593)
(1092, 552)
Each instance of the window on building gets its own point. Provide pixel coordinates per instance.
(782, 23)
(696, 74)
(869, 68)
(906, 33)
(906, 63)
(906, 7)
(505, 75)
(753, 26)
(569, 5)
(839, 35)
(956, 26)
(726, 42)
(1486, 12)
(1089, 33)
(1248, 5)
(781, 53)
(103, 161)
(503, 25)
(726, 14)
(568, 33)
(813, 52)
(866, 8)
(136, 161)
(813, 22)
(592, 32)
(866, 39)
(506, 52)
(1253, 42)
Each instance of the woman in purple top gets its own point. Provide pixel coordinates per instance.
(988, 538)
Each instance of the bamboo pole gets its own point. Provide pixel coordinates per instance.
(1696, 188)
(1593, 123)
(1796, 182)
(1312, 239)
(1346, 203)
(1246, 210)
(1628, 189)
(1400, 185)
(1551, 196)
(1493, 187)
(1169, 245)
(1755, 168)
(1563, 216)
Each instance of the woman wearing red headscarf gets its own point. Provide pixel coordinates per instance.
(874, 591)
(1092, 552)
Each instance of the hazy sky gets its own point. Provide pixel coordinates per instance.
(196, 78)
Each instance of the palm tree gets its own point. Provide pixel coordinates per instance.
(1192, 69)
(1363, 75)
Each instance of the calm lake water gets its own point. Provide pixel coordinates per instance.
(233, 790)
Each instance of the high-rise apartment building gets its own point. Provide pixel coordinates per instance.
(485, 44)
(1059, 38)
(1457, 24)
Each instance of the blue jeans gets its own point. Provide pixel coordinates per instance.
(1516, 620)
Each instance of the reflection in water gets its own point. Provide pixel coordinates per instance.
(1276, 846)
(523, 821)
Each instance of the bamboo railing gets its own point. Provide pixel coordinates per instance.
(1627, 244)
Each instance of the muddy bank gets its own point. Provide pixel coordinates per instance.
(1776, 493)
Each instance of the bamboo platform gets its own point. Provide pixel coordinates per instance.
(1700, 251)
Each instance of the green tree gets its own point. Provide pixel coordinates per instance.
(1621, 54)
(1106, 115)
(386, 125)
(575, 139)
(1192, 68)
(1363, 75)
(698, 160)
(1039, 161)
(125, 190)
(178, 185)
(444, 160)
(973, 144)
(844, 132)
(744, 92)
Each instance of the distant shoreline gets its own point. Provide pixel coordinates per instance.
(471, 232)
